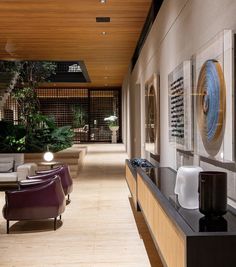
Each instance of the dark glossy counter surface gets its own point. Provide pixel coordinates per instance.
(162, 182)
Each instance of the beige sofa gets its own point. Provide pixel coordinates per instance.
(12, 168)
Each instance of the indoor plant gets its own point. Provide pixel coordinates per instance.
(34, 131)
(112, 122)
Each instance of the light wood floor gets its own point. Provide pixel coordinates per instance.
(98, 227)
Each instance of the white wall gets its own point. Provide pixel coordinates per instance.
(181, 28)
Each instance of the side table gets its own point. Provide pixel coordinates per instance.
(50, 164)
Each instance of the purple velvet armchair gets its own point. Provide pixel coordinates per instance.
(41, 200)
(63, 172)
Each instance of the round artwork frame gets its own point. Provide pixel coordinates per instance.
(211, 105)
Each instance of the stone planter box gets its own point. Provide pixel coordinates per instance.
(73, 157)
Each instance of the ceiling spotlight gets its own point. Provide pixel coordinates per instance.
(103, 33)
(103, 1)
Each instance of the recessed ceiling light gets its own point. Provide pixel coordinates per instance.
(103, 1)
(103, 19)
(103, 33)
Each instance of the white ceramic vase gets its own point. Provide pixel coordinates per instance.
(186, 186)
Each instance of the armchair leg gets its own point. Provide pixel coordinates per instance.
(55, 224)
(68, 199)
(8, 226)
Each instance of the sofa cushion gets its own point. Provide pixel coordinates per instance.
(6, 164)
(8, 177)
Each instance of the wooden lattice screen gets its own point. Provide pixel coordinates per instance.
(83, 109)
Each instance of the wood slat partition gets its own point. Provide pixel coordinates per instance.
(169, 240)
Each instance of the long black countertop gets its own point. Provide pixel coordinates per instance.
(161, 182)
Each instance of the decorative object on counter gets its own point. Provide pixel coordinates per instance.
(186, 186)
(113, 126)
(214, 106)
(213, 224)
(152, 115)
(213, 193)
(139, 162)
(180, 106)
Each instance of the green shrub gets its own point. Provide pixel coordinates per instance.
(44, 135)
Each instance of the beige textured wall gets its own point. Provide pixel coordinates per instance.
(179, 31)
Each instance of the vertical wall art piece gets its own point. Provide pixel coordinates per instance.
(180, 106)
(152, 115)
(214, 109)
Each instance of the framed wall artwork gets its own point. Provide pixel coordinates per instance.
(214, 94)
(152, 115)
(180, 106)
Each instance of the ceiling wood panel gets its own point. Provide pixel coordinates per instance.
(67, 30)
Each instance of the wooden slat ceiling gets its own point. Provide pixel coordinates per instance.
(67, 30)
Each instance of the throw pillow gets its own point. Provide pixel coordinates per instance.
(6, 164)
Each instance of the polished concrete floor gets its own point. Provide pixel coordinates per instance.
(98, 227)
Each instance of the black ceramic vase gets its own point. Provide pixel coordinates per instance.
(213, 193)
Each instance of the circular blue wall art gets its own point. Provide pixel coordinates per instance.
(211, 105)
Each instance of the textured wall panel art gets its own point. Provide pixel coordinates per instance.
(214, 98)
(180, 106)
